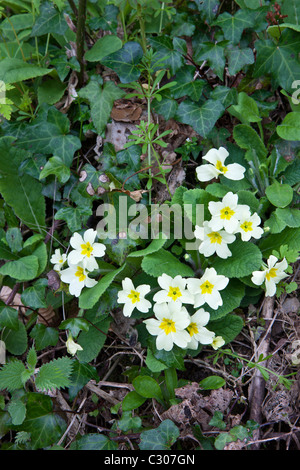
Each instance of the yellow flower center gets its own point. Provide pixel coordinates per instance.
(134, 296)
(206, 287)
(61, 261)
(168, 326)
(247, 226)
(226, 213)
(86, 249)
(80, 274)
(271, 273)
(215, 237)
(192, 329)
(174, 293)
(220, 167)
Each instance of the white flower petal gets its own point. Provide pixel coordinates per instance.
(128, 309)
(161, 297)
(235, 171)
(75, 257)
(258, 277)
(76, 241)
(143, 305)
(127, 284)
(206, 172)
(99, 249)
(90, 236)
(164, 341)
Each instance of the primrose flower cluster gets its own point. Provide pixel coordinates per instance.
(81, 261)
(173, 324)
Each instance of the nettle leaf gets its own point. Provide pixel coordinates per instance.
(103, 47)
(279, 59)
(234, 25)
(54, 374)
(238, 58)
(101, 101)
(201, 118)
(50, 20)
(161, 438)
(45, 427)
(170, 51)
(163, 261)
(16, 70)
(214, 53)
(124, 61)
(10, 375)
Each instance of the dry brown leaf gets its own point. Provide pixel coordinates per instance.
(126, 111)
(17, 303)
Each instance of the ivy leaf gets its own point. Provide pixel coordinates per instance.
(54, 374)
(50, 20)
(9, 317)
(279, 59)
(124, 62)
(15, 340)
(44, 336)
(170, 51)
(186, 85)
(55, 166)
(124, 165)
(208, 9)
(201, 118)
(74, 216)
(34, 296)
(160, 438)
(101, 101)
(94, 441)
(214, 53)
(234, 25)
(238, 58)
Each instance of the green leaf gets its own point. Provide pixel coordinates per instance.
(10, 375)
(50, 20)
(197, 197)
(89, 297)
(124, 62)
(14, 239)
(238, 58)
(9, 318)
(234, 25)
(73, 216)
(280, 195)
(208, 9)
(213, 382)
(228, 327)
(45, 427)
(50, 91)
(154, 364)
(170, 51)
(81, 375)
(246, 110)
(247, 138)
(231, 296)
(22, 193)
(153, 247)
(16, 70)
(132, 400)
(15, 340)
(291, 8)
(289, 236)
(103, 47)
(93, 340)
(291, 217)
(163, 261)
(24, 269)
(147, 387)
(34, 296)
(93, 441)
(279, 59)
(214, 53)
(246, 258)
(17, 411)
(54, 374)
(124, 165)
(44, 336)
(186, 85)
(289, 129)
(101, 101)
(201, 118)
(161, 438)
(55, 166)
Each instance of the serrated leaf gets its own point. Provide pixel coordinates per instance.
(54, 374)
(10, 376)
(124, 62)
(200, 118)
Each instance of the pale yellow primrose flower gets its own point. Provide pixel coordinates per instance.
(58, 260)
(213, 241)
(170, 325)
(173, 290)
(77, 278)
(217, 167)
(206, 289)
(72, 347)
(197, 331)
(85, 249)
(133, 297)
(217, 342)
(271, 275)
(226, 213)
(249, 226)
